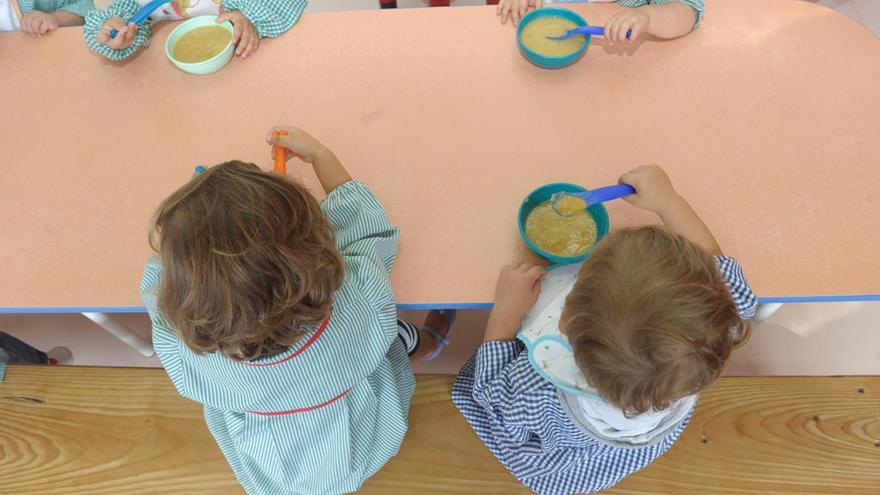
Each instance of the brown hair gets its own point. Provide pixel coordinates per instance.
(650, 319)
(248, 259)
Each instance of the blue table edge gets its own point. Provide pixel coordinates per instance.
(421, 306)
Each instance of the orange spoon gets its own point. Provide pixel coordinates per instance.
(280, 162)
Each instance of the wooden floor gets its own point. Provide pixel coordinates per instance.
(111, 431)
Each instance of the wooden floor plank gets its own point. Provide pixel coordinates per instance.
(103, 431)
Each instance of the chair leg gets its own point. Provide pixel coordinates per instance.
(122, 332)
(766, 311)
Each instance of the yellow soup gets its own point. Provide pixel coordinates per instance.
(534, 37)
(558, 235)
(201, 44)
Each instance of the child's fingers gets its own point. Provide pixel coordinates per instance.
(535, 272)
(244, 46)
(636, 31)
(236, 33)
(130, 33)
(622, 28)
(504, 9)
(520, 11)
(254, 44)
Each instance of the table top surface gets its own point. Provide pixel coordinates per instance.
(766, 118)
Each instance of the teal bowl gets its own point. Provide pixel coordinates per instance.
(544, 61)
(543, 193)
(209, 66)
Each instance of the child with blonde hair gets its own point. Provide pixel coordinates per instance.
(588, 374)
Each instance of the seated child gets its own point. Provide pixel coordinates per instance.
(276, 313)
(607, 368)
(661, 18)
(251, 20)
(39, 17)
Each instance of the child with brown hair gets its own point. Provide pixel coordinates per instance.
(276, 313)
(611, 355)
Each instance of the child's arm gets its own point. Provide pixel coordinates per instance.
(515, 293)
(654, 192)
(270, 17)
(48, 16)
(661, 18)
(130, 39)
(364, 235)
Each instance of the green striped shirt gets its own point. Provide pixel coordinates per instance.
(78, 7)
(332, 448)
(270, 18)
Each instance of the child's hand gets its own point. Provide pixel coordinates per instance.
(124, 38)
(36, 23)
(515, 293)
(244, 34)
(516, 9)
(654, 190)
(297, 143)
(638, 20)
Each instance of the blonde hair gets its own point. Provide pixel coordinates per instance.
(248, 259)
(651, 319)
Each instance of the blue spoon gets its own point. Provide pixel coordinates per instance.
(599, 195)
(142, 14)
(585, 30)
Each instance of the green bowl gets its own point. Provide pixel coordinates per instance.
(214, 63)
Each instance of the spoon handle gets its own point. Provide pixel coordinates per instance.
(607, 193)
(142, 14)
(590, 30)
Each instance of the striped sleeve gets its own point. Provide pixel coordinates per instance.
(77, 7)
(165, 340)
(365, 239)
(270, 17)
(122, 9)
(360, 223)
(697, 5)
(740, 291)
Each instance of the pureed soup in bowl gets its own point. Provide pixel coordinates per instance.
(535, 28)
(565, 236)
(201, 44)
(561, 239)
(535, 37)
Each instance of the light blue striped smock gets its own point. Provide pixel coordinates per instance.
(330, 449)
(519, 416)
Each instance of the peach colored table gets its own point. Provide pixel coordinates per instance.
(767, 118)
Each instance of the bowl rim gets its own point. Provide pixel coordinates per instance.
(187, 26)
(556, 259)
(548, 12)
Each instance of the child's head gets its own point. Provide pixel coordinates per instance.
(650, 319)
(248, 259)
